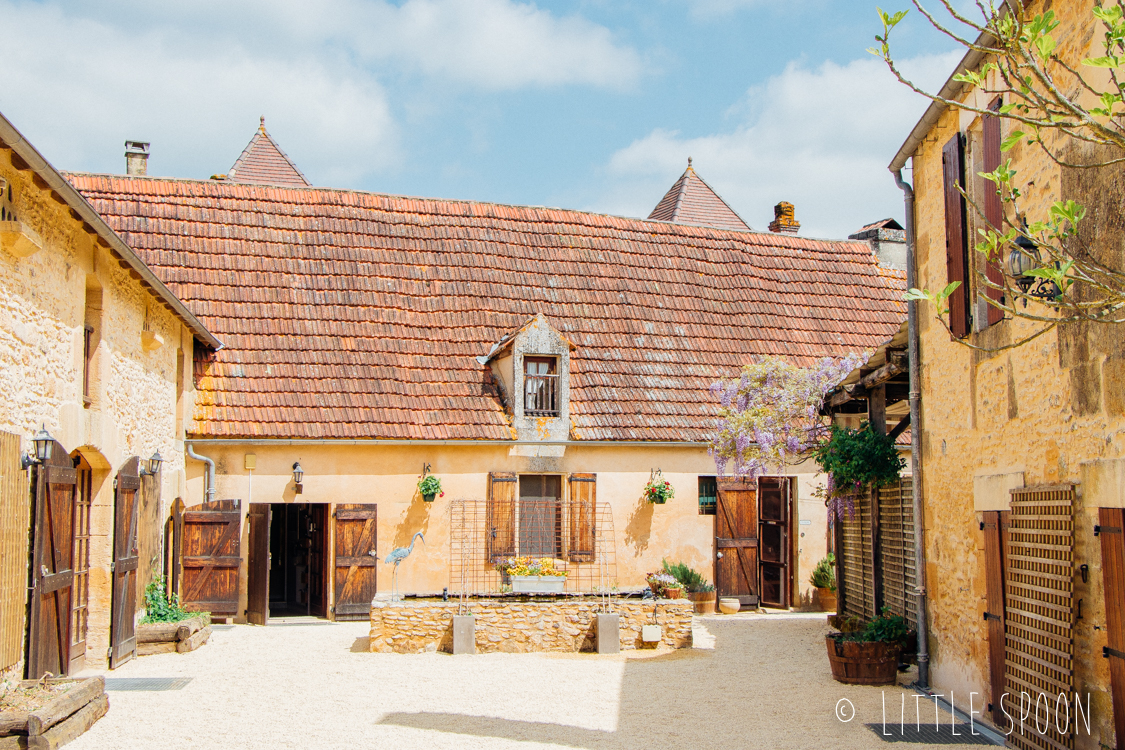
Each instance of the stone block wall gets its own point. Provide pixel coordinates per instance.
(522, 626)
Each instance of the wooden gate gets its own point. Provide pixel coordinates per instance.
(210, 557)
(259, 518)
(1038, 608)
(122, 629)
(52, 577)
(355, 556)
(15, 515)
(1110, 530)
(736, 540)
(773, 536)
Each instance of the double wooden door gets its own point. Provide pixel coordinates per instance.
(52, 572)
(754, 546)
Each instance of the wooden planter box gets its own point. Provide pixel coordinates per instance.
(855, 663)
(58, 721)
(703, 601)
(538, 584)
(167, 637)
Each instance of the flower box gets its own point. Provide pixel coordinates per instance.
(538, 584)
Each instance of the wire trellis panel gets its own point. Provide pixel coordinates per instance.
(544, 528)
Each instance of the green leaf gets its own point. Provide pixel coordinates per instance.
(1102, 62)
(1012, 140)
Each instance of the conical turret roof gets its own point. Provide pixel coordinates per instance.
(263, 162)
(693, 201)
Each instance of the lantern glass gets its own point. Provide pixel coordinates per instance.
(298, 473)
(154, 463)
(1023, 258)
(44, 445)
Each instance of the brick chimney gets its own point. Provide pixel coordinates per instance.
(136, 157)
(783, 219)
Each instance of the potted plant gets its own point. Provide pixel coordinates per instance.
(699, 591)
(428, 487)
(665, 586)
(870, 655)
(658, 490)
(531, 575)
(823, 578)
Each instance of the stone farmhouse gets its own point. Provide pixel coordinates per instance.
(1023, 462)
(95, 356)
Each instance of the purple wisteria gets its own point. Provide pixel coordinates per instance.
(770, 414)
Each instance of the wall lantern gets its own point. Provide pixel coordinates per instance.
(152, 466)
(298, 475)
(44, 447)
(1023, 259)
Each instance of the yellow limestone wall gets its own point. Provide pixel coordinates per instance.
(388, 474)
(1046, 409)
(133, 410)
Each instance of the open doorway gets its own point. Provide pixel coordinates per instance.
(297, 543)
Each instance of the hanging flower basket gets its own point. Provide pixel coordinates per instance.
(430, 487)
(659, 490)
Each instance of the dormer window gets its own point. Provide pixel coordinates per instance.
(541, 391)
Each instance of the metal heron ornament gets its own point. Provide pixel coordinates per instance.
(397, 556)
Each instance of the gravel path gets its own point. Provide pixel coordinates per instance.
(764, 683)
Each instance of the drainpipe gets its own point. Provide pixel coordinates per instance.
(916, 439)
(210, 492)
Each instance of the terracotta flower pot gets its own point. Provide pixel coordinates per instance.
(729, 606)
(704, 602)
(858, 663)
(827, 599)
(673, 593)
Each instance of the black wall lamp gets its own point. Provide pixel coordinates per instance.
(298, 475)
(152, 465)
(44, 447)
(1023, 259)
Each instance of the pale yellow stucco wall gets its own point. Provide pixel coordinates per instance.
(1041, 410)
(387, 475)
(133, 409)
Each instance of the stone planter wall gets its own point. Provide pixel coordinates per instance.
(523, 627)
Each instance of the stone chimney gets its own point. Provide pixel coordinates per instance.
(136, 157)
(783, 219)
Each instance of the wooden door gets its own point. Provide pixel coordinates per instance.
(210, 557)
(354, 560)
(1111, 523)
(736, 540)
(52, 573)
(994, 526)
(258, 564)
(123, 606)
(773, 541)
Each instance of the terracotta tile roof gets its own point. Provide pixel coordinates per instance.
(693, 201)
(263, 162)
(351, 314)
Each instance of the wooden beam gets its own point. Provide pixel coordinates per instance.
(877, 409)
(863, 388)
(899, 428)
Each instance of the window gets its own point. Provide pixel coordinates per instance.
(540, 515)
(87, 355)
(540, 387)
(708, 495)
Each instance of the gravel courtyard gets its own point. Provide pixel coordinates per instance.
(752, 680)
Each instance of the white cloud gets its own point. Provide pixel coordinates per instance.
(819, 138)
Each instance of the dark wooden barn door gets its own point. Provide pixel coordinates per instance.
(122, 628)
(773, 544)
(736, 540)
(995, 537)
(52, 567)
(210, 557)
(1112, 523)
(258, 564)
(355, 557)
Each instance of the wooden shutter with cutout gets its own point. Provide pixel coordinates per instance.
(1112, 535)
(956, 240)
(582, 524)
(503, 491)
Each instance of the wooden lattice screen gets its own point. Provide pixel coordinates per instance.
(1039, 596)
(857, 559)
(896, 550)
(14, 519)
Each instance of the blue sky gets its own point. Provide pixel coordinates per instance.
(590, 104)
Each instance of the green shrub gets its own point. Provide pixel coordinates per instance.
(824, 574)
(160, 607)
(858, 459)
(886, 629)
(691, 579)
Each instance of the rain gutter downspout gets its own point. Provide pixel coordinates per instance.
(210, 491)
(915, 395)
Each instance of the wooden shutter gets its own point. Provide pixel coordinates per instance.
(773, 540)
(1038, 605)
(355, 556)
(123, 606)
(52, 570)
(956, 231)
(258, 564)
(210, 557)
(15, 513)
(1112, 523)
(993, 207)
(582, 523)
(994, 523)
(503, 489)
(736, 540)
